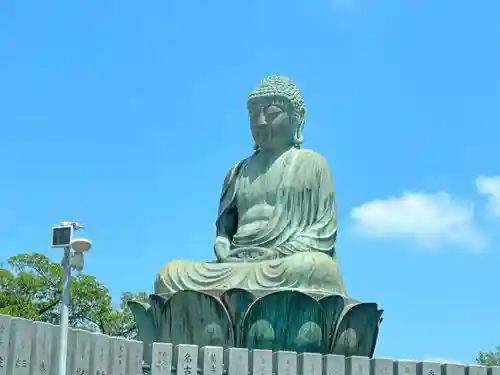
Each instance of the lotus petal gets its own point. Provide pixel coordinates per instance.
(375, 335)
(356, 330)
(146, 329)
(286, 320)
(333, 307)
(237, 303)
(196, 318)
(157, 305)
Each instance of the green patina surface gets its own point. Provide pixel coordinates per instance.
(277, 220)
(275, 282)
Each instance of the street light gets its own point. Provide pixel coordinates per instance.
(62, 237)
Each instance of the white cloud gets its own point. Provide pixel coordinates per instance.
(490, 186)
(430, 219)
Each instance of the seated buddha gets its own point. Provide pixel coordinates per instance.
(277, 222)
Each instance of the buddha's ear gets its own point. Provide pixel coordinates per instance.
(298, 137)
(302, 113)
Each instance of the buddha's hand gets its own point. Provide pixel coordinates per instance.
(222, 248)
(252, 254)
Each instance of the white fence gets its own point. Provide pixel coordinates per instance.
(31, 348)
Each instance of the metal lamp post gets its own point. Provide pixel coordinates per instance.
(62, 237)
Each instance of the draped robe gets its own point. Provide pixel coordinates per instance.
(297, 248)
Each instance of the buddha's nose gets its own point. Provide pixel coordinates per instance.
(261, 119)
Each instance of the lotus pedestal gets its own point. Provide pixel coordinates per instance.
(292, 320)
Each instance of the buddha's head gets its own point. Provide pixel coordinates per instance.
(277, 113)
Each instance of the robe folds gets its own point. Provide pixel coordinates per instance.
(295, 251)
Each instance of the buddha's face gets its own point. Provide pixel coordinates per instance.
(270, 123)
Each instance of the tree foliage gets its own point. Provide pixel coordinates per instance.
(489, 358)
(31, 288)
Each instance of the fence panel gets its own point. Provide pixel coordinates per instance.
(32, 348)
(134, 357)
(5, 324)
(42, 348)
(21, 336)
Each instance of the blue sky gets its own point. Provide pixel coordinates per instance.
(126, 115)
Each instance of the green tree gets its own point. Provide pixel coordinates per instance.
(31, 287)
(489, 358)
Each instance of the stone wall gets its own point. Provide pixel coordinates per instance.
(31, 348)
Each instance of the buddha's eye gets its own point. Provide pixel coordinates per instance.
(254, 110)
(254, 114)
(272, 109)
(272, 112)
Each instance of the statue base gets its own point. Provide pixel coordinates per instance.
(285, 319)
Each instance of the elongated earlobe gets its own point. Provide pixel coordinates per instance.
(297, 137)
